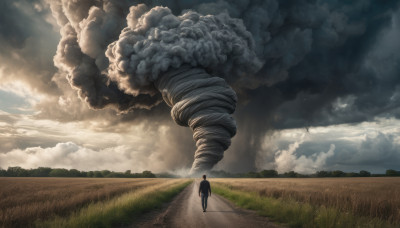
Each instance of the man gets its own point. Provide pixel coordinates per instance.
(204, 189)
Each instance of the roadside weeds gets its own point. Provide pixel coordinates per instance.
(121, 210)
(295, 214)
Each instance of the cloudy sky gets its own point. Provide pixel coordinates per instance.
(325, 95)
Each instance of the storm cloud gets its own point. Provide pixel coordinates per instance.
(292, 81)
(322, 63)
(24, 54)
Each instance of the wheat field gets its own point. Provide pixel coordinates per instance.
(25, 200)
(371, 197)
(121, 210)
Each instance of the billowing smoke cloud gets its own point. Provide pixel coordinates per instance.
(88, 27)
(316, 63)
(157, 42)
(160, 52)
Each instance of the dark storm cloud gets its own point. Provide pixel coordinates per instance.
(347, 81)
(162, 52)
(135, 70)
(310, 41)
(87, 29)
(349, 74)
(27, 44)
(324, 62)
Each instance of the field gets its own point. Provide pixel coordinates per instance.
(109, 202)
(24, 201)
(375, 198)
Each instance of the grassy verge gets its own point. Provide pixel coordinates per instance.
(296, 214)
(120, 210)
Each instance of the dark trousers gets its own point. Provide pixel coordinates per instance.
(204, 198)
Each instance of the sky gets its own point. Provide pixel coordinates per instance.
(321, 92)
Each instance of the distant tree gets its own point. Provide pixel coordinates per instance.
(338, 173)
(135, 175)
(148, 174)
(74, 173)
(116, 174)
(105, 172)
(3, 173)
(40, 172)
(352, 174)
(17, 171)
(83, 174)
(364, 173)
(97, 174)
(90, 174)
(323, 174)
(253, 175)
(269, 173)
(290, 174)
(392, 173)
(59, 173)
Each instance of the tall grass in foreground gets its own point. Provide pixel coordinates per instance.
(368, 197)
(24, 200)
(296, 214)
(120, 210)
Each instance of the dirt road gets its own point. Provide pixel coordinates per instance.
(186, 211)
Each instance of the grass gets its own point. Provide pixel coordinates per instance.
(24, 200)
(121, 210)
(289, 210)
(367, 197)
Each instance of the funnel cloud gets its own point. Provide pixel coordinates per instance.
(160, 52)
(203, 103)
(185, 58)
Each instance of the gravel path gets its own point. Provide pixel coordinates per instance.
(185, 211)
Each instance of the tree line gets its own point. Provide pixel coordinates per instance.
(17, 171)
(292, 174)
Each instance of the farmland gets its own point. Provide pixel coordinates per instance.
(106, 202)
(374, 198)
(26, 200)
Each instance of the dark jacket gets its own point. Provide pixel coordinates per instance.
(205, 187)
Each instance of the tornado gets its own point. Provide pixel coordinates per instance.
(204, 103)
(188, 61)
(185, 58)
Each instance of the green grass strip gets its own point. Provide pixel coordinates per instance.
(295, 214)
(122, 210)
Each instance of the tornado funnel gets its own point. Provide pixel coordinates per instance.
(126, 62)
(205, 104)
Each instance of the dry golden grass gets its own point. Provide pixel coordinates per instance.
(24, 200)
(120, 211)
(372, 197)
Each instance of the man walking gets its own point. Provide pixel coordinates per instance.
(204, 189)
